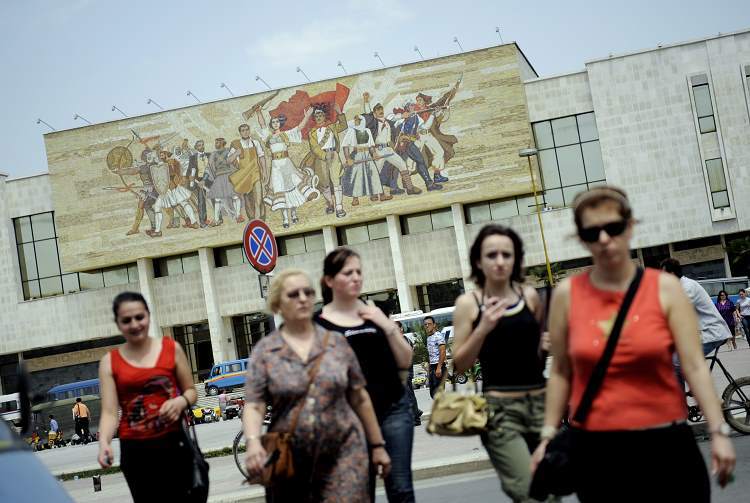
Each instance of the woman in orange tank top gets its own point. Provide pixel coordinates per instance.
(150, 381)
(634, 445)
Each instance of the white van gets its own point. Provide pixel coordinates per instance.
(10, 408)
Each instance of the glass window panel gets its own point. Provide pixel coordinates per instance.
(70, 283)
(565, 131)
(699, 79)
(23, 230)
(707, 124)
(378, 230)
(314, 241)
(232, 255)
(571, 165)
(173, 266)
(476, 213)
(747, 70)
(602, 183)
(51, 286)
(191, 263)
(292, 245)
(569, 193)
(31, 290)
(115, 276)
(592, 158)
(703, 101)
(721, 199)
(91, 280)
(414, 224)
(527, 205)
(543, 135)
(442, 219)
(46, 258)
(133, 273)
(554, 198)
(504, 209)
(587, 127)
(27, 261)
(43, 226)
(355, 234)
(550, 175)
(716, 181)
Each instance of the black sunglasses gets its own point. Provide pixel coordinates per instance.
(308, 291)
(591, 234)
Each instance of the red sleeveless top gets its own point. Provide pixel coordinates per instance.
(640, 388)
(142, 391)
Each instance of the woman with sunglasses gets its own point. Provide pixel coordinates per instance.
(150, 381)
(499, 324)
(634, 444)
(382, 351)
(329, 444)
(728, 312)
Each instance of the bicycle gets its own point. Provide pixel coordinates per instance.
(238, 445)
(733, 399)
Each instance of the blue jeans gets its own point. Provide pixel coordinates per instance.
(708, 348)
(397, 426)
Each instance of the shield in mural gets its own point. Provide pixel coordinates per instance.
(160, 177)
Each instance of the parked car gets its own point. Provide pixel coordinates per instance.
(226, 376)
(234, 408)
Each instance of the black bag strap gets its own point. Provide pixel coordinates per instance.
(597, 376)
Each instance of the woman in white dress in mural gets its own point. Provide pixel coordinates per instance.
(288, 187)
(361, 176)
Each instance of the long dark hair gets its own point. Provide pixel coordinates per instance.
(128, 297)
(332, 265)
(476, 252)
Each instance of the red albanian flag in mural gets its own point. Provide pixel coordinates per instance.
(294, 108)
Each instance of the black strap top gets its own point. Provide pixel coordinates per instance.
(510, 356)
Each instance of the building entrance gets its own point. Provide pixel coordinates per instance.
(196, 340)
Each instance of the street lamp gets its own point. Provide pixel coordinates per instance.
(341, 65)
(40, 121)
(528, 153)
(114, 107)
(84, 119)
(190, 93)
(259, 78)
(497, 30)
(300, 70)
(375, 54)
(416, 49)
(152, 102)
(224, 86)
(455, 39)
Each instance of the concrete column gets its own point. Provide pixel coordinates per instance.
(146, 281)
(216, 326)
(394, 236)
(462, 244)
(727, 264)
(330, 239)
(231, 346)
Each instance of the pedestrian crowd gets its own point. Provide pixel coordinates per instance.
(608, 423)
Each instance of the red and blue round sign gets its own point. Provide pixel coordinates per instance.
(259, 245)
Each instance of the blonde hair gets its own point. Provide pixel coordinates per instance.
(277, 287)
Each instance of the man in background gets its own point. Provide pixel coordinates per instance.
(82, 417)
(436, 353)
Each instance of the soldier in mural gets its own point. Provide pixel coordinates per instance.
(437, 147)
(361, 177)
(408, 123)
(147, 194)
(288, 187)
(249, 159)
(200, 176)
(222, 191)
(324, 156)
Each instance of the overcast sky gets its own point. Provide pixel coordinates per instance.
(62, 57)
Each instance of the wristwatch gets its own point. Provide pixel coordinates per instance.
(722, 430)
(548, 432)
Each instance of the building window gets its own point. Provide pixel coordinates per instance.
(426, 222)
(570, 159)
(746, 79)
(703, 107)
(300, 243)
(437, 295)
(362, 233)
(248, 330)
(491, 210)
(229, 255)
(176, 264)
(717, 183)
(196, 341)
(386, 300)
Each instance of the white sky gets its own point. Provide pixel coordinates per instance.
(60, 58)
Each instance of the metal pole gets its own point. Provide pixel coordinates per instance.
(114, 107)
(381, 59)
(223, 85)
(341, 65)
(258, 77)
(152, 102)
(76, 117)
(190, 93)
(40, 121)
(416, 49)
(300, 70)
(528, 153)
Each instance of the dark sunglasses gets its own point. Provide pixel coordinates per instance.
(613, 229)
(308, 291)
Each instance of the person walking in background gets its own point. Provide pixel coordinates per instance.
(54, 431)
(81, 417)
(382, 353)
(222, 403)
(499, 324)
(329, 446)
(743, 308)
(151, 382)
(634, 443)
(436, 354)
(728, 312)
(409, 384)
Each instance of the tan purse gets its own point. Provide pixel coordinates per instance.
(278, 444)
(456, 414)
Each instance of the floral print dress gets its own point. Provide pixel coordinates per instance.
(330, 450)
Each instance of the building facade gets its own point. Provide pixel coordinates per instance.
(670, 125)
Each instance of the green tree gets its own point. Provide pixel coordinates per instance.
(738, 250)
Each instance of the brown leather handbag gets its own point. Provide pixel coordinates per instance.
(279, 465)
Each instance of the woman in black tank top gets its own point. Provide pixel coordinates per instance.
(499, 324)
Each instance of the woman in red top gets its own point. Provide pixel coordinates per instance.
(150, 380)
(634, 444)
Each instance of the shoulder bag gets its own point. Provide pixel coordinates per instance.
(278, 444)
(455, 414)
(198, 490)
(557, 473)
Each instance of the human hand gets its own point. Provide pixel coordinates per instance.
(493, 309)
(105, 456)
(171, 409)
(538, 455)
(366, 97)
(255, 458)
(376, 315)
(381, 461)
(545, 342)
(439, 371)
(723, 459)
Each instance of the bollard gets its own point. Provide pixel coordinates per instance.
(97, 483)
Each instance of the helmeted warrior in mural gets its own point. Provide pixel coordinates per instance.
(146, 194)
(408, 124)
(200, 177)
(221, 192)
(361, 177)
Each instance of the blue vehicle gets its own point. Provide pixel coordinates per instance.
(60, 400)
(73, 390)
(226, 376)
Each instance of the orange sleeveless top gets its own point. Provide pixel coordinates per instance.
(640, 388)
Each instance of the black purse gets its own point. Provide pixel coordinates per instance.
(557, 474)
(198, 485)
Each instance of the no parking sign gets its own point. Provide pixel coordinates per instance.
(259, 245)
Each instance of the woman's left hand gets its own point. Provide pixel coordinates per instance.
(381, 461)
(723, 458)
(172, 409)
(377, 316)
